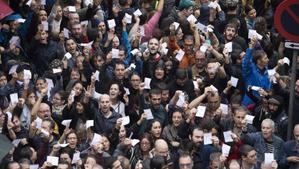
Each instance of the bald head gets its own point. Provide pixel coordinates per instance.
(296, 132)
(161, 147)
(104, 103)
(44, 111)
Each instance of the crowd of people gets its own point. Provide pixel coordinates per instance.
(152, 84)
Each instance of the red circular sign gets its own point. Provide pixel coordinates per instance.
(286, 19)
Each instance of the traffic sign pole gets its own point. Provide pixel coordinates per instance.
(292, 94)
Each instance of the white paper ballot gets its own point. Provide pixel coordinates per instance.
(201, 27)
(53, 160)
(228, 136)
(76, 158)
(125, 120)
(134, 142)
(9, 115)
(181, 101)
(256, 88)
(43, 2)
(191, 18)
(66, 33)
(67, 122)
(34, 166)
(229, 46)
(213, 5)
(128, 18)
(57, 70)
(127, 91)
(96, 74)
(134, 51)
(16, 142)
(38, 122)
(89, 123)
(111, 23)
(224, 108)
(87, 45)
(249, 119)
(13, 69)
(179, 56)
(176, 25)
(147, 82)
(63, 145)
(84, 23)
(269, 157)
(21, 20)
(195, 84)
(45, 132)
(137, 13)
(149, 114)
(225, 149)
(15, 40)
(14, 98)
(271, 72)
(201, 110)
(45, 25)
(96, 139)
(203, 48)
(115, 53)
(27, 74)
(252, 33)
(214, 89)
(29, 3)
(132, 66)
(234, 81)
(68, 55)
(286, 60)
(207, 138)
(50, 84)
(72, 9)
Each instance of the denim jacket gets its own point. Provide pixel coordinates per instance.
(258, 142)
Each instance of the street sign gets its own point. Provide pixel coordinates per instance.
(286, 19)
(291, 45)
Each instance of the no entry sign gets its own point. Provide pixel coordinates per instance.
(286, 19)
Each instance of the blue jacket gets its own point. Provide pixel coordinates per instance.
(258, 142)
(253, 76)
(291, 150)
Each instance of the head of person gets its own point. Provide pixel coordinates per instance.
(26, 153)
(209, 126)
(153, 46)
(73, 18)
(42, 16)
(260, 24)
(159, 72)
(16, 123)
(185, 161)
(44, 111)
(260, 58)
(78, 88)
(65, 157)
(43, 37)
(115, 42)
(248, 154)
(186, 7)
(135, 80)
(155, 98)
(158, 162)
(188, 44)
(13, 165)
(102, 27)
(116, 91)
(90, 161)
(41, 83)
(211, 69)
(31, 98)
(48, 125)
(59, 98)
(274, 104)
(164, 92)
(215, 162)
(213, 101)
(80, 62)
(75, 74)
(181, 77)
(2, 117)
(177, 118)
(267, 128)
(76, 29)
(161, 148)
(98, 60)
(230, 32)
(296, 133)
(237, 56)
(155, 128)
(200, 59)
(145, 142)
(58, 12)
(197, 137)
(114, 163)
(72, 140)
(250, 12)
(71, 46)
(3, 79)
(234, 164)
(119, 70)
(122, 133)
(104, 103)
(63, 165)
(106, 143)
(239, 114)
(24, 163)
(297, 88)
(169, 66)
